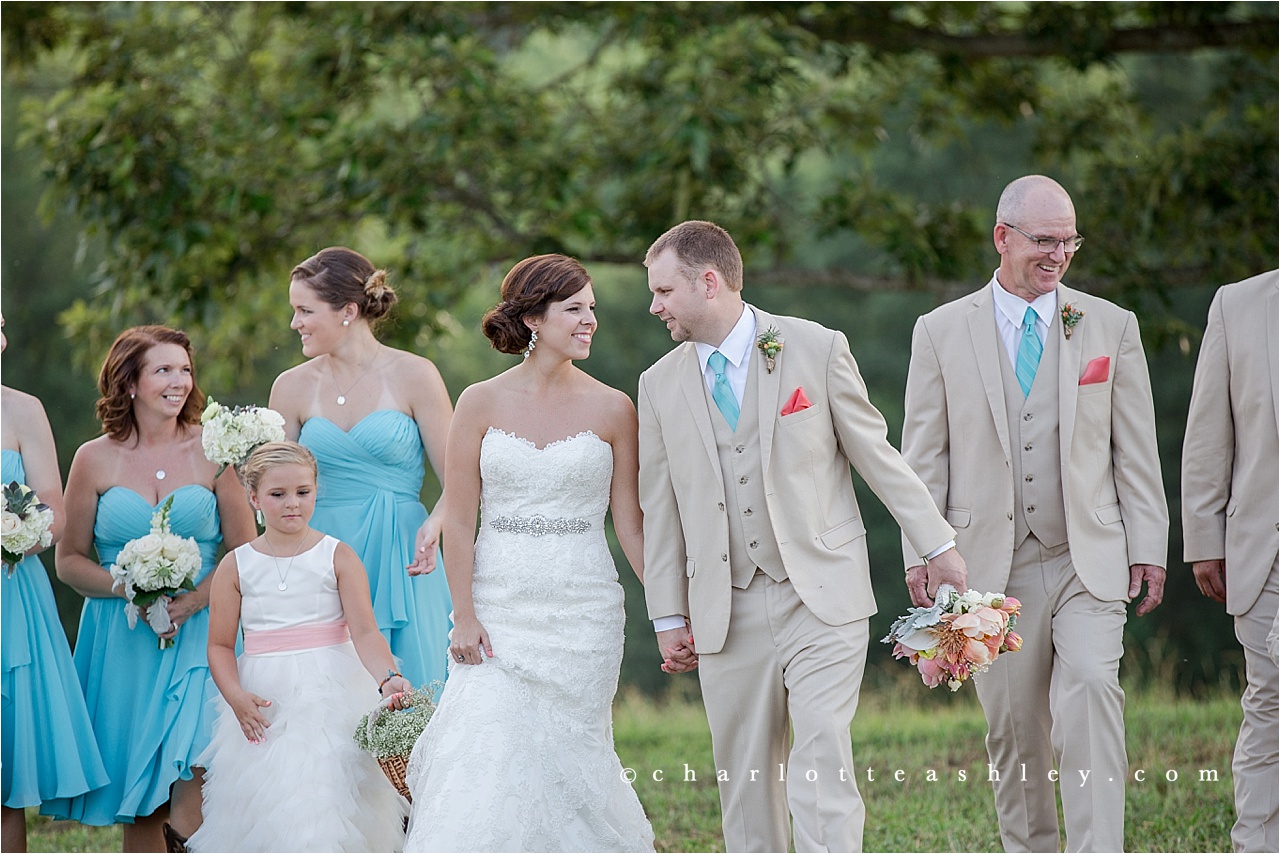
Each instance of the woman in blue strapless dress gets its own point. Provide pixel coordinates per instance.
(149, 706)
(49, 749)
(369, 413)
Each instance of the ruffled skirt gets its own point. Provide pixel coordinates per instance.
(306, 786)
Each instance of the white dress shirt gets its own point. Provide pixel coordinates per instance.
(1012, 309)
(736, 347)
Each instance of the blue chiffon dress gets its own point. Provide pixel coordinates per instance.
(150, 707)
(367, 497)
(49, 750)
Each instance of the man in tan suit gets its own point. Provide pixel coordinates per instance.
(755, 552)
(1230, 513)
(1029, 416)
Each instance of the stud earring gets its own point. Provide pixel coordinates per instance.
(132, 395)
(346, 323)
(533, 342)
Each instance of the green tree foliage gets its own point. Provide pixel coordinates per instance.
(214, 145)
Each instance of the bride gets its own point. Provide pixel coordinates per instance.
(519, 755)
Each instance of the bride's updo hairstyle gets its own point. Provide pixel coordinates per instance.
(268, 456)
(531, 285)
(340, 276)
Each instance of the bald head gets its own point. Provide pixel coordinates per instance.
(1033, 196)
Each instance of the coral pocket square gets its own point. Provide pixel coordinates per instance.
(1096, 371)
(796, 403)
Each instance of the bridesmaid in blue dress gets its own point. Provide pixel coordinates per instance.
(149, 706)
(369, 412)
(49, 749)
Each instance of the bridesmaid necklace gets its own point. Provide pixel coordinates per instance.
(161, 474)
(342, 395)
(283, 585)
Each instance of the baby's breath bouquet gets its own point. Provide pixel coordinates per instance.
(390, 734)
(27, 523)
(153, 569)
(230, 435)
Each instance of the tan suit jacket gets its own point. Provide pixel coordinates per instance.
(805, 458)
(956, 437)
(1229, 458)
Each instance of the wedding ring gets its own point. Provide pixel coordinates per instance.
(458, 657)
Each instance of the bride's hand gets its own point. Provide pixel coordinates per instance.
(467, 640)
(424, 548)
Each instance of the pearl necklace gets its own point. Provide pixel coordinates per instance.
(283, 585)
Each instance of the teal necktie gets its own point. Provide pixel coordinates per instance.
(1029, 351)
(720, 391)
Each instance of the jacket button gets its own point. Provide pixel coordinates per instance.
(720, 505)
(724, 557)
(755, 544)
(1031, 508)
(1010, 517)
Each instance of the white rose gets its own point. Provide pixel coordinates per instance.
(11, 524)
(148, 548)
(211, 411)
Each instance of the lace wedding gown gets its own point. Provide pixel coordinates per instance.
(519, 755)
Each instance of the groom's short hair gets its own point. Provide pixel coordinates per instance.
(699, 244)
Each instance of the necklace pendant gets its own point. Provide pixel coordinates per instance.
(160, 475)
(282, 586)
(342, 400)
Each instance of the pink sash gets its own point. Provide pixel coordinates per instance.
(290, 638)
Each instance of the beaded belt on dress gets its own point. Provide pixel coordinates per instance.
(539, 525)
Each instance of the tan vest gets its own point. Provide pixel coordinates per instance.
(751, 540)
(1036, 448)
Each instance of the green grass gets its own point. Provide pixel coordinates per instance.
(900, 726)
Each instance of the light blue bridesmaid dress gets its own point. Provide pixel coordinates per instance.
(49, 748)
(367, 496)
(149, 706)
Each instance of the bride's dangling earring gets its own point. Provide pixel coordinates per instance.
(533, 342)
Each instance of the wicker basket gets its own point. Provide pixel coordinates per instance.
(395, 767)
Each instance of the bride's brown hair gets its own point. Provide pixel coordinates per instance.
(531, 285)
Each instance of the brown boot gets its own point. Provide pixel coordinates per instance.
(174, 842)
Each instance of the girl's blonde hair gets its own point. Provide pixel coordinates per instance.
(267, 456)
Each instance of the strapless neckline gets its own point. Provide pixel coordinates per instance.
(359, 422)
(139, 496)
(533, 445)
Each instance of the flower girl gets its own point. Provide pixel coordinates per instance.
(284, 773)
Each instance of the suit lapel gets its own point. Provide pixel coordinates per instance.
(987, 350)
(1069, 370)
(768, 385)
(693, 385)
(1273, 305)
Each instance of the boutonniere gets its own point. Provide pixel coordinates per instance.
(1070, 317)
(770, 343)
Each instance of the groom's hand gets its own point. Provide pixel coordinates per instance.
(917, 581)
(677, 650)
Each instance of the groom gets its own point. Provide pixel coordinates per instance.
(754, 545)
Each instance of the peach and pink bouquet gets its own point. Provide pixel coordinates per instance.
(958, 637)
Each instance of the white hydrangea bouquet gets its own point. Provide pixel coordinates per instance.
(153, 569)
(27, 523)
(390, 734)
(230, 435)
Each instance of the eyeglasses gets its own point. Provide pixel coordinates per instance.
(1048, 244)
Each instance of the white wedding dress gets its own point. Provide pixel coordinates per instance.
(519, 755)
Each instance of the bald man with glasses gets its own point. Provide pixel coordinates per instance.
(1029, 417)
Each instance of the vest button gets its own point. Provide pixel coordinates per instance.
(724, 557)
(1010, 517)
(755, 544)
(1029, 478)
(746, 512)
(720, 505)
(742, 479)
(1026, 447)
(1027, 417)
(1031, 508)
(739, 449)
